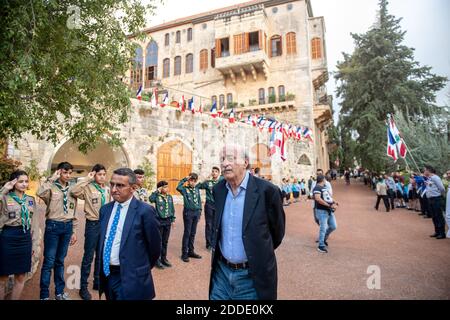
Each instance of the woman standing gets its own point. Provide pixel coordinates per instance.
(16, 211)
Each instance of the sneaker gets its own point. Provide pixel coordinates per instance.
(194, 255)
(166, 262)
(62, 296)
(322, 249)
(159, 264)
(85, 294)
(441, 236)
(326, 243)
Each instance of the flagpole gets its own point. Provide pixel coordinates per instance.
(407, 148)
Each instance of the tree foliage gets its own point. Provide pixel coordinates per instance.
(62, 68)
(381, 77)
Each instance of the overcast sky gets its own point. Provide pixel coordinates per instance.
(427, 23)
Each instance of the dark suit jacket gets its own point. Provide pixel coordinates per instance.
(262, 231)
(140, 247)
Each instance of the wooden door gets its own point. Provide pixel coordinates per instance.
(174, 163)
(261, 159)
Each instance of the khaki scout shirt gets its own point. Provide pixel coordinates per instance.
(85, 190)
(10, 210)
(54, 199)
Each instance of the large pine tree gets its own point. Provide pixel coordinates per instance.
(381, 77)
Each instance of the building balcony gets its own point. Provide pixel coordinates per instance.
(322, 114)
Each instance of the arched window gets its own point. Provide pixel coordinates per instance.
(214, 99)
(316, 48)
(189, 63)
(137, 68)
(189, 34)
(166, 68)
(178, 37)
(151, 62)
(166, 39)
(291, 45)
(229, 100)
(275, 46)
(281, 93)
(221, 100)
(272, 96)
(203, 60)
(304, 160)
(261, 96)
(177, 67)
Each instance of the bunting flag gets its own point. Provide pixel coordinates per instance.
(154, 100)
(307, 134)
(165, 101)
(181, 104)
(191, 106)
(241, 115)
(231, 116)
(214, 110)
(200, 108)
(220, 112)
(139, 93)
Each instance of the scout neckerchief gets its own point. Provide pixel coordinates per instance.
(24, 213)
(193, 193)
(101, 190)
(64, 191)
(164, 197)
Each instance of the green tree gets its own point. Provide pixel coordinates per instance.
(379, 77)
(62, 68)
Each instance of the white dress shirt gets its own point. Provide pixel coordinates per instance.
(117, 238)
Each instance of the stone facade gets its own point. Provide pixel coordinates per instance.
(249, 65)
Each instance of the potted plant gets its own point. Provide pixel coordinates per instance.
(272, 98)
(290, 96)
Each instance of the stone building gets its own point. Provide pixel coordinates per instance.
(259, 57)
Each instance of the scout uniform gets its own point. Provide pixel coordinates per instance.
(60, 225)
(166, 216)
(94, 197)
(210, 209)
(15, 232)
(141, 194)
(191, 215)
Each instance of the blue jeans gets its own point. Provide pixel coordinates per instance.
(229, 284)
(91, 238)
(328, 224)
(56, 242)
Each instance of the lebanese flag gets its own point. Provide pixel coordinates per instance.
(182, 104)
(155, 98)
(231, 116)
(214, 110)
(165, 100)
(139, 93)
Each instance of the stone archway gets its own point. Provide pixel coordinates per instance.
(304, 160)
(174, 162)
(260, 158)
(111, 157)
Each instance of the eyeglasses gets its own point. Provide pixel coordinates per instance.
(119, 186)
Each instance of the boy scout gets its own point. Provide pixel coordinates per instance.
(210, 210)
(95, 194)
(191, 214)
(16, 213)
(166, 216)
(60, 227)
(141, 193)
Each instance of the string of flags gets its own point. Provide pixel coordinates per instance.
(279, 131)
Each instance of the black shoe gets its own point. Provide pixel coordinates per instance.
(427, 217)
(441, 236)
(85, 294)
(322, 249)
(159, 264)
(326, 243)
(208, 247)
(194, 255)
(166, 262)
(434, 235)
(185, 258)
(421, 214)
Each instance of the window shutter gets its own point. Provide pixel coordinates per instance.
(218, 52)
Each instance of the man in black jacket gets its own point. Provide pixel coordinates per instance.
(248, 226)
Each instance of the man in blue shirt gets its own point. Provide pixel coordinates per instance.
(435, 191)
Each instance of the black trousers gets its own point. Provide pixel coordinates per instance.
(91, 238)
(210, 211)
(434, 206)
(190, 219)
(164, 230)
(424, 206)
(391, 196)
(385, 200)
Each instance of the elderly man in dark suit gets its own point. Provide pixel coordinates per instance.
(248, 226)
(130, 242)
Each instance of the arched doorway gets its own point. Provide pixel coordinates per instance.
(111, 158)
(260, 158)
(174, 163)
